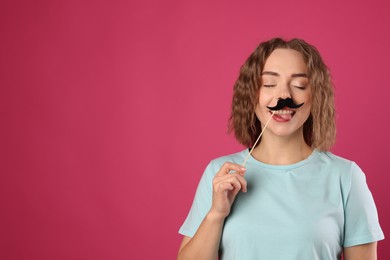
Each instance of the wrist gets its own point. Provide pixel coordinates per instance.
(215, 217)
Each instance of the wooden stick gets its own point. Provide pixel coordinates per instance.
(258, 138)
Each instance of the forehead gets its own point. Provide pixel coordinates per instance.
(285, 61)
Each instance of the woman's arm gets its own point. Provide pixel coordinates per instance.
(361, 252)
(205, 243)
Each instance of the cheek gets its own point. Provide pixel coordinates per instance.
(257, 111)
(307, 109)
(261, 113)
(307, 99)
(264, 98)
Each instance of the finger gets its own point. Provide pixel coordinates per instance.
(224, 186)
(227, 167)
(233, 177)
(242, 181)
(234, 186)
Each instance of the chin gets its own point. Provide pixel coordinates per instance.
(283, 132)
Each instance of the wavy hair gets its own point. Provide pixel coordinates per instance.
(319, 130)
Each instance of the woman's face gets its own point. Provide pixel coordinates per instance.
(284, 76)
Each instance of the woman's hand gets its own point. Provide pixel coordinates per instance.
(228, 181)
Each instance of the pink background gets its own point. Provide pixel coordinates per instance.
(110, 110)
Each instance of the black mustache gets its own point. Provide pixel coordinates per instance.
(288, 102)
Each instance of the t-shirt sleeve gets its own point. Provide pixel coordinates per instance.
(361, 217)
(201, 204)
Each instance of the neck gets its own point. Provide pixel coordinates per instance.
(278, 150)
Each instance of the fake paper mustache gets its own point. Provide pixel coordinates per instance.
(288, 102)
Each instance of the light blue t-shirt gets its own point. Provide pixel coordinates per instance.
(305, 211)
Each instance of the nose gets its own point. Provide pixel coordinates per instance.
(284, 92)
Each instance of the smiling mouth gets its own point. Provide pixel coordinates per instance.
(283, 114)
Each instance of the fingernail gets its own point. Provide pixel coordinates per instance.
(243, 169)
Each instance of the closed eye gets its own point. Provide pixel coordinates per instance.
(300, 87)
(269, 86)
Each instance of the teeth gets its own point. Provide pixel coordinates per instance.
(283, 112)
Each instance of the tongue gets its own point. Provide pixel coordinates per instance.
(284, 116)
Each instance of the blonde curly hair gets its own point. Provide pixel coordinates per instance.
(319, 130)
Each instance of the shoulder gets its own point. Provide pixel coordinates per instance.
(238, 157)
(346, 170)
(337, 163)
(331, 158)
(217, 163)
(349, 172)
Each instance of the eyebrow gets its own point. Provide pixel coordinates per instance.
(295, 75)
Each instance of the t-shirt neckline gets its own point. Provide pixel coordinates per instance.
(251, 159)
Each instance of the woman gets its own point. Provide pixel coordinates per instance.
(297, 200)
